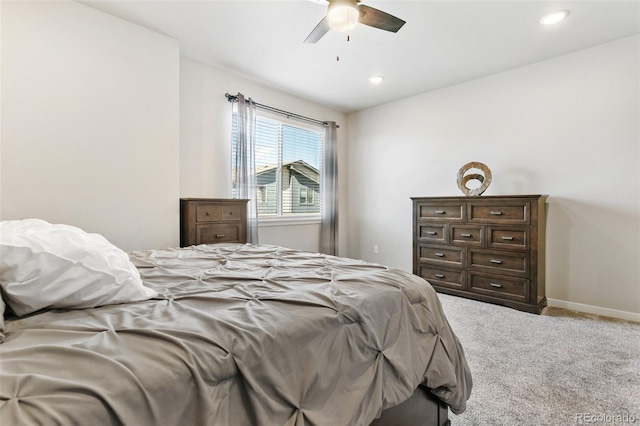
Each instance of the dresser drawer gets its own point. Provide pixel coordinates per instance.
(499, 286)
(508, 238)
(452, 256)
(467, 235)
(232, 212)
(218, 233)
(513, 212)
(449, 211)
(500, 261)
(208, 213)
(430, 232)
(444, 277)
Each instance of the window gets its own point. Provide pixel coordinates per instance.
(306, 196)
(288, 159)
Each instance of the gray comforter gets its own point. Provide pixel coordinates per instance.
(240, 334)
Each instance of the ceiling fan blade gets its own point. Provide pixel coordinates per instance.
(379, 19)
(320, 30)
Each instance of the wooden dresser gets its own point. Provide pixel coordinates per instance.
(488, 248)
(212, 220)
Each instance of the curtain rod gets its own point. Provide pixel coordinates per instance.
(233, 98)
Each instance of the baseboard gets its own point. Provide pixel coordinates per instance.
(596, 310)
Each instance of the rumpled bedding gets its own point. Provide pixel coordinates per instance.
(240, 334)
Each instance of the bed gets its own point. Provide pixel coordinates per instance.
(224, 334)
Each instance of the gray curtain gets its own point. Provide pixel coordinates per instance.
(329, 211)
(246, 163)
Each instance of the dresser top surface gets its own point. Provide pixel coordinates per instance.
(480, 197)
(214, 200)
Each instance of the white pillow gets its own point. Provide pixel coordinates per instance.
(43, 265)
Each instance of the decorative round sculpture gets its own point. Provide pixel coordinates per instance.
(485, 180)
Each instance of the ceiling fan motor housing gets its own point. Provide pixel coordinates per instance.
(343, 15)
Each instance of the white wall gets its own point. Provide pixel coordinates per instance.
(568, 127)
(89, 123)
(205, 141)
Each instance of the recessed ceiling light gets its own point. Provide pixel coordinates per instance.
(376, 79)
(554, 17)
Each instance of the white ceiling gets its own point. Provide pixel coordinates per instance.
(443, 42)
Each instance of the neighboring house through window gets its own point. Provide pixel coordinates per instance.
(288, 159)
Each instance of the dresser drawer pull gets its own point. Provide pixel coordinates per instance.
(219, 235)
(465, 235)
(497, 262)
(439, 275)
(495, 285)
(498, 213)
(432, 233)
(439, 254)
(439, 212)
(507, 238)
(208, 213)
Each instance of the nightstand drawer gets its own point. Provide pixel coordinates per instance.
(501, 262)
(508, 238)
(499, 286)
(449, 211)
(430, 232)
(452, 278)
(232, 212)
(514, 212)
(452, 256)
(219, 233)
(208, 213)
(467, 235)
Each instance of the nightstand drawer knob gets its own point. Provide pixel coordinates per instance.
(439, 212)
(439, 254)
(465, 235)
(507, 238)
(219, 235)
(496, 213)
(208, 213)
(495, 285)
(439, 275)
(497, 262)
(431, 232)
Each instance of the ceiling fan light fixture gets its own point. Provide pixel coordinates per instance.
(343, 15)
(554, 18)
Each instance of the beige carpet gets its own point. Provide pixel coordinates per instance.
(559, 368)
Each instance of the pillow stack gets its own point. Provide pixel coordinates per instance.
(45, 266)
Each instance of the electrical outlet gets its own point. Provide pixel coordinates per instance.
(376, 249)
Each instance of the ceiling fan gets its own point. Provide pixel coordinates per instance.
(344, 15)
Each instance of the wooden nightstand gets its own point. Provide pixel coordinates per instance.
(212, 220)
